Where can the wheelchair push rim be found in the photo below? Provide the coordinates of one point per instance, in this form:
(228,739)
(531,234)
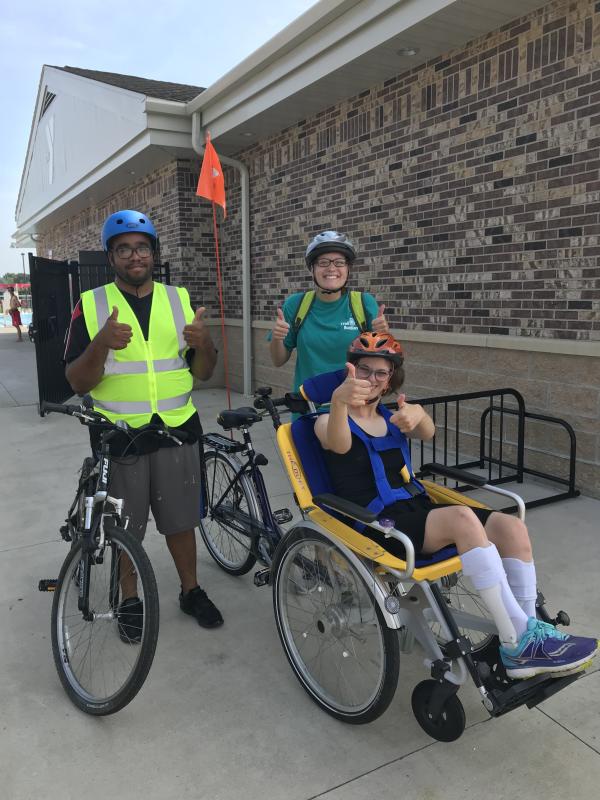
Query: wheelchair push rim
(332,630)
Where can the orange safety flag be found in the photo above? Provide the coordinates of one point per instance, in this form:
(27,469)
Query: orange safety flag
(211,183)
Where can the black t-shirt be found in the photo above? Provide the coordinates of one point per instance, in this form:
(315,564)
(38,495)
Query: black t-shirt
(123,444)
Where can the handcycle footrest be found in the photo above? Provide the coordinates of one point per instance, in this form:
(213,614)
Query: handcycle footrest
(530,692)
(48,584)
(219,442)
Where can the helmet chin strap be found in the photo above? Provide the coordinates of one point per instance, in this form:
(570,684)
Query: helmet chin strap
(328,291)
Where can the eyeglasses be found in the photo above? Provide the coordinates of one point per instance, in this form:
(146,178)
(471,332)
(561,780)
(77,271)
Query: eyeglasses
(364,373)
(125,251)
(323,263)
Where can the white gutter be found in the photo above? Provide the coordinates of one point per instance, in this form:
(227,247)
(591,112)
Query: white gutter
(198,145)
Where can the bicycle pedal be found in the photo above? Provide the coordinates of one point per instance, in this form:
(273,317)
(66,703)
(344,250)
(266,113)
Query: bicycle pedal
(64,532)
(282,516)
(262,577)
(47,584)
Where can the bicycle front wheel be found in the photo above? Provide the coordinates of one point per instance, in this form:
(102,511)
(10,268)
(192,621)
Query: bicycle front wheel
(100,668)
(231,514)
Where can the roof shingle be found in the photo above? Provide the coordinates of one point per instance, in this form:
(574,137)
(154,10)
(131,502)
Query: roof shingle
(163,90)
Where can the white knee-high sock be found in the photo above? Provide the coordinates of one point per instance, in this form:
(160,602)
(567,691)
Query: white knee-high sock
(522,580)
(483,566)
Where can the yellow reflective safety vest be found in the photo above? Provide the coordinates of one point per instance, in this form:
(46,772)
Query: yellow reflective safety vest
(147,377)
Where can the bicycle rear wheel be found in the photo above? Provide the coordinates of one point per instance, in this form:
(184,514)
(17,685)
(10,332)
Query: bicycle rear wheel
(232,510)
(101,673)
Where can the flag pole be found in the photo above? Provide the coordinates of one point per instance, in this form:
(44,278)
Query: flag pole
(211,186)
(222,307)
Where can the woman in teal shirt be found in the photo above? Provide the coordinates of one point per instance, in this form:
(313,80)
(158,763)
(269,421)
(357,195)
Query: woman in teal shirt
(329,326)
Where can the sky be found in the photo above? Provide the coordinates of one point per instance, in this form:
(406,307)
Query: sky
(181,41)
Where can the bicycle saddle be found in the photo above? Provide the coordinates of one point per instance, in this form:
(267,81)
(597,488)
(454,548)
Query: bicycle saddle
(238,417)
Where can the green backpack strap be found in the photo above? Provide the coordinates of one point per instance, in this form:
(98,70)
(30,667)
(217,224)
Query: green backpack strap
(303,309)
(357,306)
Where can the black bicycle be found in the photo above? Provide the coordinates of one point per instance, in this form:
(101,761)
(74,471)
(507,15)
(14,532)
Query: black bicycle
(103,648)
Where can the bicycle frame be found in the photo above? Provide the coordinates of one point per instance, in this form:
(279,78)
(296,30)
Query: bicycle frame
(93,536)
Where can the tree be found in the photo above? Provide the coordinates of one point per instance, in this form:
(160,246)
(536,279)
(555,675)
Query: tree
(14,277)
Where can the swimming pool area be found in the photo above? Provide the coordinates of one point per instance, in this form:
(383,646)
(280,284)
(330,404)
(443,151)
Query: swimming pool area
(5,320)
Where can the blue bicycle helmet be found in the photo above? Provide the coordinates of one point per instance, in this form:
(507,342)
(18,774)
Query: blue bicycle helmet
(329,242)
(127,222)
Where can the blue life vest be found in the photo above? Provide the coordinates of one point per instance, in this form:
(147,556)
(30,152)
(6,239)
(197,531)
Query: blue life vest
(375,445)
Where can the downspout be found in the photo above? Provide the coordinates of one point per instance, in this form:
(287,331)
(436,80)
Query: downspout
(198,145)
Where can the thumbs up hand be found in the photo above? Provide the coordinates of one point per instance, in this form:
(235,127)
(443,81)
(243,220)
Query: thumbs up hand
(408,416)
(380,323)
(353,391)
(114,334)
(196,333)
(281,328)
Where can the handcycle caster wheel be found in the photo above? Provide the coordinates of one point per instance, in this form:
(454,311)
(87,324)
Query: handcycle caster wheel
(450,724)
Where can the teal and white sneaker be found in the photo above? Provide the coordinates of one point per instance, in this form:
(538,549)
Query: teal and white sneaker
(544,649)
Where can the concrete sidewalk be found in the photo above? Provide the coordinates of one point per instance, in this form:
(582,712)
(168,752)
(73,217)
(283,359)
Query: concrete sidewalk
(221,715)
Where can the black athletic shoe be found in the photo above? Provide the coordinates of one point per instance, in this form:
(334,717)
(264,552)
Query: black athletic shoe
(131,620)
(196,603)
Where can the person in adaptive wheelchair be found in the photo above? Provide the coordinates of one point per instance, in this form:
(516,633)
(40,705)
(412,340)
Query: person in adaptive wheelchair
(366,451)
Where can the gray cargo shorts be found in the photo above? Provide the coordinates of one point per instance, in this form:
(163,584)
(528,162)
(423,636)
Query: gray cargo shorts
(167,481)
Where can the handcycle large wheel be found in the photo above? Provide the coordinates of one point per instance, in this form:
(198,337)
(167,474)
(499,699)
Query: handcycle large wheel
(100,672)
(459,593)
(227,526)
(332,630)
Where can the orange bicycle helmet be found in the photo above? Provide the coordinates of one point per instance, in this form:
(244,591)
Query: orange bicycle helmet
(382,345)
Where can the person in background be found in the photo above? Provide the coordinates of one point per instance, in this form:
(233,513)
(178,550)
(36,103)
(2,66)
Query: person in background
(14,309)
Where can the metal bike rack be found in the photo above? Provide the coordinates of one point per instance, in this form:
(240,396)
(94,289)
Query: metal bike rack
(500,446)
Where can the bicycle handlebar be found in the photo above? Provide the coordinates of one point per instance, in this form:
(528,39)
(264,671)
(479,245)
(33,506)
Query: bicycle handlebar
(58,408)
(87,416)
(265,402)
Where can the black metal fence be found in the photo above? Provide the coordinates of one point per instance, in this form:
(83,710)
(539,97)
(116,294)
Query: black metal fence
(487,431)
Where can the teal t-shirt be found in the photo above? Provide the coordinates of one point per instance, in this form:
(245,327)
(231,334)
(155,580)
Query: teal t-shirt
(327,331)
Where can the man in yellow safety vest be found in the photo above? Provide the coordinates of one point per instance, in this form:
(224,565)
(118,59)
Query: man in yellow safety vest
(134,346)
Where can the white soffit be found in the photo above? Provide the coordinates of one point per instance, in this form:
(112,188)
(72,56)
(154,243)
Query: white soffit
(335,50)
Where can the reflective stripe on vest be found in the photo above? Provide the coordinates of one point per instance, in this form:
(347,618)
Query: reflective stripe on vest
(139,367)
(141,407)
(393,439)
(133,388)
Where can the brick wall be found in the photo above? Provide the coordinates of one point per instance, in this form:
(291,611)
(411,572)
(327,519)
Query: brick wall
(470,185)
(183,221)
